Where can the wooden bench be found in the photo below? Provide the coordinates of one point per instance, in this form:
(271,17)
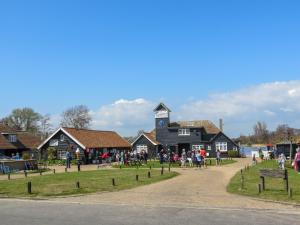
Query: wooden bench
(274,173)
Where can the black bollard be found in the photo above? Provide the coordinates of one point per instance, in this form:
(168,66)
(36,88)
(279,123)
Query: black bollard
(149,174)
(29,187)
(137,177)
(8,176)
(259,188)
(113,182)
(162,170)
(78,167)
(169,167)
(77,185)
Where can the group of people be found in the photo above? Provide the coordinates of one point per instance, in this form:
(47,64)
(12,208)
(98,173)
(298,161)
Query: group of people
(192,158)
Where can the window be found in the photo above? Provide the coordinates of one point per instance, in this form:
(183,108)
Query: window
(208,147)
(140,148)
(12,138)
(62,154)
(62,137)
(197,147)
(53,143)
(184,132)
(221,146)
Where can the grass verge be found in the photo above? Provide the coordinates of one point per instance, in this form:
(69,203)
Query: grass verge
(275,189)
(63,184)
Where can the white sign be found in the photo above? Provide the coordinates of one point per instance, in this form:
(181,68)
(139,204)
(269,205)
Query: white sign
(161,114)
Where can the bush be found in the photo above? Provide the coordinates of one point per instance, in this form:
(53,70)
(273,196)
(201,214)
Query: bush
(52,153)
(233,154)
(25,155)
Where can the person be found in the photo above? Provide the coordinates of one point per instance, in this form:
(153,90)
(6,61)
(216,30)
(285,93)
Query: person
(118,158)
(122,158)
(297,161)
(218,158)
(281,161)
(254,162)
(68,160)
(198,159)
(146,157)
(203,156)
(183,158)
(161,157)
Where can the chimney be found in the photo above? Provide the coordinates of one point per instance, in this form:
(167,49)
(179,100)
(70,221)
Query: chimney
(221,125)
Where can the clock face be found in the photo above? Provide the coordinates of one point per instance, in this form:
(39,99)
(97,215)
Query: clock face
(161,123)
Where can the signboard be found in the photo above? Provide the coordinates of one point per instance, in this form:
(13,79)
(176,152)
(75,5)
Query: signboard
(162,114)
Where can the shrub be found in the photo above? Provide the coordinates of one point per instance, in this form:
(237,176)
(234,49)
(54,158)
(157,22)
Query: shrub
(25,155)
(233,154)
(52,153)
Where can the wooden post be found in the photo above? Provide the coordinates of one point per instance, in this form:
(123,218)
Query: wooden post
(25,173)
(77,185)
(290,193)
(263,184)
(29,187)
(162,171)
(137,177)
(242,182)
(241,171)
(210,162)
(8,176)
(259,188)
(149,174)
(66,169)
(54,171)
(286,178)
(169,167)
(113,182)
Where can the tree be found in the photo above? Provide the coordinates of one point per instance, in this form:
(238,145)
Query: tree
(261,133)
(25,119)
(77,117)
(45,127)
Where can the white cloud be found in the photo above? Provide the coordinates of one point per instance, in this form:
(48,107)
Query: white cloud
(276,102)
(125,116)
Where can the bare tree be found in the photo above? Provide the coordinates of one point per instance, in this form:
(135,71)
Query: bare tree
(77,117)
(261,133)
(45,126)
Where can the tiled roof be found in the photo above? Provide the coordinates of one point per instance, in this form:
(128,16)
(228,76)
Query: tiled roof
(98,139)
(152,137)
(24,139)
(206,124)
(5,144)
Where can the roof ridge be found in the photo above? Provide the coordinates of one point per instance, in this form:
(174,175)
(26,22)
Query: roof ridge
(83,129)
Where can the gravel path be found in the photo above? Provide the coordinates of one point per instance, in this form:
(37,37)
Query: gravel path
(200,188)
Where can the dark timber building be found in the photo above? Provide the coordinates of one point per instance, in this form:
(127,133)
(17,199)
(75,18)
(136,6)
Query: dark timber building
(188,135)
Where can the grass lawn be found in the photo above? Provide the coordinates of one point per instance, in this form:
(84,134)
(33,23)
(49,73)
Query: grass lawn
(62,184)
(275,189)
(156,164)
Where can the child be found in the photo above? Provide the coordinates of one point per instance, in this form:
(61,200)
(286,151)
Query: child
(281,161)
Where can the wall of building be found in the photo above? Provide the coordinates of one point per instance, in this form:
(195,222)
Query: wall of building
(152,149)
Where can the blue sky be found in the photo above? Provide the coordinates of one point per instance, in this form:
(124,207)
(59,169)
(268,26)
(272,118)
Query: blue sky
(56,54)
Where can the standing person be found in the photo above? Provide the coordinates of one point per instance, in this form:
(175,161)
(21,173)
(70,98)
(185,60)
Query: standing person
(281,161)
(68,159)
(161,157)
(297,161)
(183,158)
(198,159)
(146,157)
(122,158)
(218,158)
(118,158)
(203,157)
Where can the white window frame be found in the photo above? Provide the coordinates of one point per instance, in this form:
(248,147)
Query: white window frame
(62,137)
(12,138)
(184,132)
(197,147)
(140,148)
(61,154)
(221,146)
(53,143)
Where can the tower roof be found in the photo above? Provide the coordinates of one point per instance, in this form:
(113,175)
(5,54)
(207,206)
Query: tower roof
(161,106)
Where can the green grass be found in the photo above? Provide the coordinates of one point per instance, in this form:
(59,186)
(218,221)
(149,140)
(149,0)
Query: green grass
(275,189)
(156,164)
(63,184)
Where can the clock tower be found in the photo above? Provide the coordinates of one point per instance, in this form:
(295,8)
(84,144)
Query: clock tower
(162,121)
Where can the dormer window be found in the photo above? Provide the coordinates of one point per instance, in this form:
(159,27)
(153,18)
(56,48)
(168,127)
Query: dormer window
(12,138)
(184,132)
